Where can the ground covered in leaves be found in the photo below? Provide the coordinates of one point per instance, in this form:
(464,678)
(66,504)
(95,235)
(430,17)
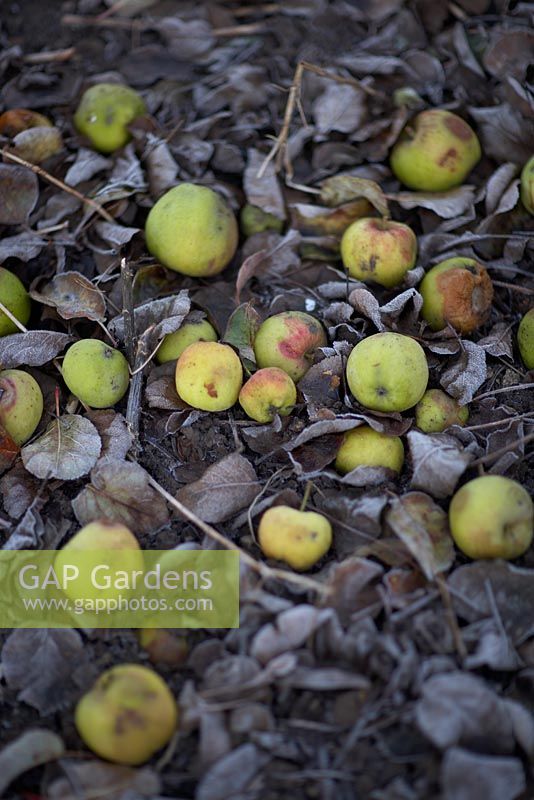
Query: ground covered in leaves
(395,669)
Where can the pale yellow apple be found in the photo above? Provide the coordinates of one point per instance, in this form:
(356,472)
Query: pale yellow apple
(268,392)
(436,411)
(365,447)
(378,250)
(300,538)
(525,339)
(209,376)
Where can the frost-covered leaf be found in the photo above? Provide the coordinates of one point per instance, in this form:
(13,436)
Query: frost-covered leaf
(23,246)
(86,778)
(37,144)
(446,205)
(263,192)
(31,349)
(68,449)
(224,489)
(114,432)
(339,108)
(73,296)
(291,629)
(32,748)
(466,775)
(463,378)
(232,775)
(120,491)
(115,235)
(87,164)
(39,664)
(498,342)
(155,319)
(423,527)
(438,462)
(161,167)
(19,192)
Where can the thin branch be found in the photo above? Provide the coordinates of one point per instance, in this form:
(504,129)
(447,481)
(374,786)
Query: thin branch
(50,56)
(493,456)
(42,173)
(516,388)
(266,572)
(450,614)
(135,357)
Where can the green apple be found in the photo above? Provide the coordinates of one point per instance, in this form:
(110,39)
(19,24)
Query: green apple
(300,538)
(268,392)
(253,219)
(16,299)
(104,113)
(525,339)
(209,376)
(174,344)
(378,250)
(436,151)
(288,341)
(128,715)
(387,372)
(365,447)
(456,292)
(192,230)
(96,373)
(492,517)
(21,404)
(527,185)
(436,411)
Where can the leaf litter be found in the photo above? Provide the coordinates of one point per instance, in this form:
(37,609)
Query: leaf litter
(395,668)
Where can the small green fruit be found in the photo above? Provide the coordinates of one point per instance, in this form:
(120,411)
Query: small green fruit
(21,404)
(492,517)
(192,230)
(16,299)
(288,341)
(104,113)
(128,715)
(300,538)
(365,447)
(527,185)
(435,152)
(378,250)
(525,339)
(268,392)
(96,373)
(387,372)
(254,220)
(174,344)
(436,411)
(456,292)
(209,376)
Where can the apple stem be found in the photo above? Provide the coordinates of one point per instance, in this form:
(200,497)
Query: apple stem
(307,492)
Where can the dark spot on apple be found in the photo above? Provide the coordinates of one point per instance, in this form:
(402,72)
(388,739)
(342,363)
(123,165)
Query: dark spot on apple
(313,535)
(459,128)
(128,718)
(107,352)
(450,155)
(211,390)
(381,391)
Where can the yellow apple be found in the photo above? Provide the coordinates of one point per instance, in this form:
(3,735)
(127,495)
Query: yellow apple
(378,250)
(300,538)
(365,447)
(209,376)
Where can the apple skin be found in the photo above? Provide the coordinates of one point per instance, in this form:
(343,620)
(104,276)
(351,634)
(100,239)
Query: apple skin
(527,185)
(17,120)
(105,111)
(128,715)
(95,373)
(365,447)
(288,341)
(525,339)
(456,292)
(21,404)
(436,411)
(16,299)
(300,538)
(378,250)
(209,376)
(98,536)
(435,152)
(174,344)
(492,517)
(253,219)
(268,392)
(387,372)
(192,230)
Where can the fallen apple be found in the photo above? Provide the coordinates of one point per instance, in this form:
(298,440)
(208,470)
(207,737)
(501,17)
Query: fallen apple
(209,376)
(456,292)
(288,341)
(378,250)
(21,404)
(365,447)
(95,373)
(300,538)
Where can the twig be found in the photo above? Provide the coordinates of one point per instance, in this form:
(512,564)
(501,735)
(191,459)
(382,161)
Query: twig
(513,287)
(135,358)
(266,572)
(50,56)
(516,388)
(452,619)
(262,8)
(489,457)
(42,173)
(13,318)
(79,21)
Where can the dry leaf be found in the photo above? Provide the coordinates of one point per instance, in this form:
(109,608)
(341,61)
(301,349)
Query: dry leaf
(31,349)
(32,748)
(19,192)
(73,296)
(68,449)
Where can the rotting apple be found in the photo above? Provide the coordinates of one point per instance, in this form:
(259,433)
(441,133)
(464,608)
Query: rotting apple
(288,341)
(300,538)
(435,152)
(456,292)
(492,517)
(378,250)
(209,376)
